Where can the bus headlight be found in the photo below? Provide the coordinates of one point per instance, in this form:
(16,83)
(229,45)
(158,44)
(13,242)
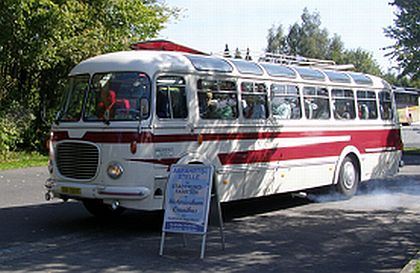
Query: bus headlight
(114,170)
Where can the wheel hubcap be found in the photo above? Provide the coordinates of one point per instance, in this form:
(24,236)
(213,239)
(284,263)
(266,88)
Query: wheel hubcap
(349,175)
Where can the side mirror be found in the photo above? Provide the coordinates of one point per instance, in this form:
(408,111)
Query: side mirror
(144,108)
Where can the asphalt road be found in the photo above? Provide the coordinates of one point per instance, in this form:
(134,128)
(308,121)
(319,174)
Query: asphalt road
(376,231)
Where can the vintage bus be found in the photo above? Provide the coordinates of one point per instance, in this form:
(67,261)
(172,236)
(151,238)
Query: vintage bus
(267,128)
(407,101)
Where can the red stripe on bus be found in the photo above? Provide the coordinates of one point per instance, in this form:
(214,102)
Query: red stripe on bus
(384,140)
(387,140)
(378,136)
(283,154)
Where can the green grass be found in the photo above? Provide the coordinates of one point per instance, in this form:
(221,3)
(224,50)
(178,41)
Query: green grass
(412,150)
(16,160)
(417,268)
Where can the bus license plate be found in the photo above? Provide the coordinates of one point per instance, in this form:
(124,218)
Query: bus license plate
(71,190)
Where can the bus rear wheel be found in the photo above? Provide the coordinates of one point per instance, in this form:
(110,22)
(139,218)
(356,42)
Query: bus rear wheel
(99,209)
(348,178)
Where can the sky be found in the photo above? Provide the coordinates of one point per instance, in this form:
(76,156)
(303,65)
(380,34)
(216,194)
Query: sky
(208,25)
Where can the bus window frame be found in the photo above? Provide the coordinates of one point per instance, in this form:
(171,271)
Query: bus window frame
(392,105)
(274,94)
(328,89)
(155,100)
(335,98)
(255,83)
(140,119)
(376,100)
(217,78)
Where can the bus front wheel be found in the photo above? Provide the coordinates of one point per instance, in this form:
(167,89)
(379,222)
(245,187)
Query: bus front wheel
(99,209)
(348,178)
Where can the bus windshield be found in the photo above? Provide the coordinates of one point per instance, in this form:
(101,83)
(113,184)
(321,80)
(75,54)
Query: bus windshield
(71,109)
(116,96)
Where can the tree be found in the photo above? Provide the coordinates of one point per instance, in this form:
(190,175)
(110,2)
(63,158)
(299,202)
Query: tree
(403,81)
(293,40)
(406,32)
(362,61)
(41,40)
(276,41)
(308,39)
(335,49)
(313,41)
(305,39)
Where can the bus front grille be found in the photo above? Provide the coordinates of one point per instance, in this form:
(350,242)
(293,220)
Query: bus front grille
(77,160)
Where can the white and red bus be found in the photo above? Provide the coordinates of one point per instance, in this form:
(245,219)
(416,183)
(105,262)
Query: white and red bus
(266,128)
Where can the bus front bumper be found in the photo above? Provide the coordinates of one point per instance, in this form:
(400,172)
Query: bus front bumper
(68,190)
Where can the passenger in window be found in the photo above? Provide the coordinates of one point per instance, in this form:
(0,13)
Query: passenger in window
(163,104)
(107,100)
(224,107)
(363,111)
(283,110)
(386,112)
(122,105)
(211,106)
(296,111)
(324,110)
(310,108)
(342,110)
(261,88)
(254,107)
(259,111)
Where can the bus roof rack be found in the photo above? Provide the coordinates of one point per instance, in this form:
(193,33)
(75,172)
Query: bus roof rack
(303,61)
(285,59)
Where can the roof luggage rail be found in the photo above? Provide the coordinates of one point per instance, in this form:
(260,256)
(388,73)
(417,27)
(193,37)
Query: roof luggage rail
(294,60)
(303,61)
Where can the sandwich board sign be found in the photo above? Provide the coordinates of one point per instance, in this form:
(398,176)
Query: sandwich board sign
(187,202)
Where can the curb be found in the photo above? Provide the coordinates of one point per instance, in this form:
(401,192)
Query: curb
(409,268)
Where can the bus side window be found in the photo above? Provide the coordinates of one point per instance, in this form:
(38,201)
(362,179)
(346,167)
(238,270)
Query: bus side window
(254,100)
(385,105)
(317,104)
(366,104)
(217,99)
(171,101)
(343,104)
(285,101)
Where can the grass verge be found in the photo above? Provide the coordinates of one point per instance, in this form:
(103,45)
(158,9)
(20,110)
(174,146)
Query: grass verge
(412,150)
(16,160)
(417,268)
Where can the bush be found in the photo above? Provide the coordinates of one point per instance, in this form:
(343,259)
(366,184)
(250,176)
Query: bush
(9,136)
(13,125)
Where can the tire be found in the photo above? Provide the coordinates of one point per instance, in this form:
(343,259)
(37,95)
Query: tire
(98,209)
(348,178)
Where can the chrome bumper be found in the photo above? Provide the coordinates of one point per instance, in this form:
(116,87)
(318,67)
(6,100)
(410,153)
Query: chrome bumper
(79,191)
